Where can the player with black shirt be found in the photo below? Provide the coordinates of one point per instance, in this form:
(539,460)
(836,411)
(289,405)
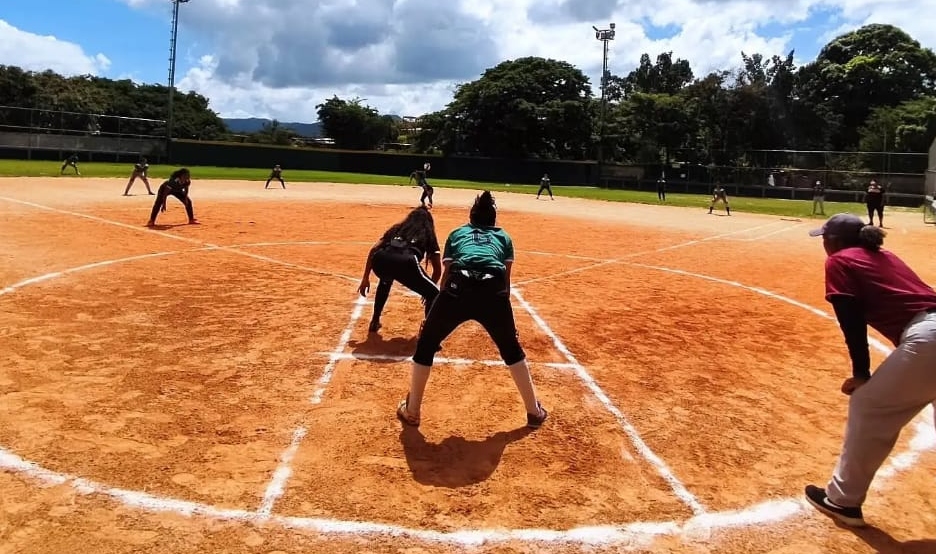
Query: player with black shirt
(874,200)
(71,161)
(139,172)
(276,173)
(397,256)
(419,176)
(178,186)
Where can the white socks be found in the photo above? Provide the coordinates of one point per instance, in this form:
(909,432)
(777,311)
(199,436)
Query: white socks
(418,380)
(520,372)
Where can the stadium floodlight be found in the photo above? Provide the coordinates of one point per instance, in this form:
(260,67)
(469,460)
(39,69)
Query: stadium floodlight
(605,36)
(172,63)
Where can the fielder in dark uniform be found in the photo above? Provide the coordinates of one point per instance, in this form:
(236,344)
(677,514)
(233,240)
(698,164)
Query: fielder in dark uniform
(661,189)
(818,197)
(178,186)
(478,258)
(874,200)
(276,173)
(71,161)
(139,172)
(719,195)
(397,256)
(545,186)
(420,177)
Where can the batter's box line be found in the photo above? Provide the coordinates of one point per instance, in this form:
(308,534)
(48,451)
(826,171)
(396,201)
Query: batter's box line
(642,448)
(343,356)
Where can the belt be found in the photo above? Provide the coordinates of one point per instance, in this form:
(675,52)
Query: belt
(477,275)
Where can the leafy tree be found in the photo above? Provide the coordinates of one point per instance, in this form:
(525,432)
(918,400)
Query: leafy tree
(87,97)
(871,67)
(659,123)
(355,126)
(529,107)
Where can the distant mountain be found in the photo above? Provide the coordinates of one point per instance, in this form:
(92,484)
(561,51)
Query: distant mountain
(254,124)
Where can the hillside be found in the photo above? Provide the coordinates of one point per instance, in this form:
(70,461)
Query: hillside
(254,124)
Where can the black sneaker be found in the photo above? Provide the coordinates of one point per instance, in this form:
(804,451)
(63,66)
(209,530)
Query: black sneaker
(534,421)
(820,500)
(374,326)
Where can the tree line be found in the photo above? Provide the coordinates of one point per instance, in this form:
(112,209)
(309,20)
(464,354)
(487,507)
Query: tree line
(872,89)
(59,103)
(869,90)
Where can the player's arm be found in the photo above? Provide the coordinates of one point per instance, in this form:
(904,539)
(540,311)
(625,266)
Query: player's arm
(851,320)
(368,266)
(436,260)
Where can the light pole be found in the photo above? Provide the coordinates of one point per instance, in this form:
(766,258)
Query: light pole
(605,36)
(172,62)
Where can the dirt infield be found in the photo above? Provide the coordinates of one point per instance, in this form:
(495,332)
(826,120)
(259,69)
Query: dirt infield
(213,388)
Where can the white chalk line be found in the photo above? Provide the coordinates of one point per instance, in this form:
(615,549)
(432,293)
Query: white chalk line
(925,434)
(643,449)
(277,485)
(637,254)
(230,249)
(341,356)
(763,236)
(638,532)
(633,533)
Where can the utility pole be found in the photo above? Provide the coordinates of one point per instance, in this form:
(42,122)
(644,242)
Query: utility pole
(172,63)
(605,36)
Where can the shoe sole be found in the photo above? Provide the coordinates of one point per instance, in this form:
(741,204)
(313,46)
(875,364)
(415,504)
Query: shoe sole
(850,521)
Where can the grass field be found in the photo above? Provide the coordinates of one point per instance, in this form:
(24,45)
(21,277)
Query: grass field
(788,208)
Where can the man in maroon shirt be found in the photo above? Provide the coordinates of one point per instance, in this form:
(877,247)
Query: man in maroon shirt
(870,286)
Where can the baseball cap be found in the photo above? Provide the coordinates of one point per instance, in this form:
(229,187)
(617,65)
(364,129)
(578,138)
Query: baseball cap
(840,225)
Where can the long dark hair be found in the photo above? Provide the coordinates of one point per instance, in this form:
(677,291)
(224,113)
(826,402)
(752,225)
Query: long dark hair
(417,227)
(484,211)
(182,171)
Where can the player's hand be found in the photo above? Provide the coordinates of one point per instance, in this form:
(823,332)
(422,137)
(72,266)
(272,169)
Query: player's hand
(364,287)
(852,384)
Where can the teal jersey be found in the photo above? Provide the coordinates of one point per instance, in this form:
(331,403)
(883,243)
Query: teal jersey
(478,248)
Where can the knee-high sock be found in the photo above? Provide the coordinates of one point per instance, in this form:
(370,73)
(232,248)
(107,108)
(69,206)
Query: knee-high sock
(418,380)
(520,372)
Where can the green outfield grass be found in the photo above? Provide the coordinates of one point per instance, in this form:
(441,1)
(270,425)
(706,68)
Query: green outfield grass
(788,208)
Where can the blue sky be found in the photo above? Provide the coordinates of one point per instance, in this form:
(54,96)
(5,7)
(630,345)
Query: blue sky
(278,58)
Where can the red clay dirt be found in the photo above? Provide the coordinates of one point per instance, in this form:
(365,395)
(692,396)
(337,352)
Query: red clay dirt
(182,363)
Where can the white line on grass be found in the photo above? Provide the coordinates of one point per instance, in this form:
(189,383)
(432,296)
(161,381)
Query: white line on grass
(642,448)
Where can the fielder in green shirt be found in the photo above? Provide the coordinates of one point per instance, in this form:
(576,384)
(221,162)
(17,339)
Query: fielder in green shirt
(477,260)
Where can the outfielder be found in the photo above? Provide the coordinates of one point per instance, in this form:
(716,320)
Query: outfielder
(867,285)
(478,258)
(71,161)
(719,195)
(139,171)
(874,200)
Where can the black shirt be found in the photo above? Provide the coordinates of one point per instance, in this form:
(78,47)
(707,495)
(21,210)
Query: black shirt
(392,240)
(177,186)
(875,195)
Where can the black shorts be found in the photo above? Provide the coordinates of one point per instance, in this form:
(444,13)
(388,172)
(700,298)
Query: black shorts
(471,296)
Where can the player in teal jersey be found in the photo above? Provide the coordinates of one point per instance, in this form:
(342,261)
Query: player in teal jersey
(477,261)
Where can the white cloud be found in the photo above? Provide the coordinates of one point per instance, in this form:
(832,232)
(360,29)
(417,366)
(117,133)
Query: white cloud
(279,58)
(39,53)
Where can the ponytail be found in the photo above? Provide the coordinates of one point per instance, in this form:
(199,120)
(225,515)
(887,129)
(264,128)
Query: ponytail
(484,211)
(871,237)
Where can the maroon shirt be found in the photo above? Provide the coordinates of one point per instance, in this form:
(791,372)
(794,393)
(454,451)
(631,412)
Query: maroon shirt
(889,291)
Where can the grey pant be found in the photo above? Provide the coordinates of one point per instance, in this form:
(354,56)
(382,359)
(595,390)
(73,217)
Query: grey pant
(818,202)
(901,387)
